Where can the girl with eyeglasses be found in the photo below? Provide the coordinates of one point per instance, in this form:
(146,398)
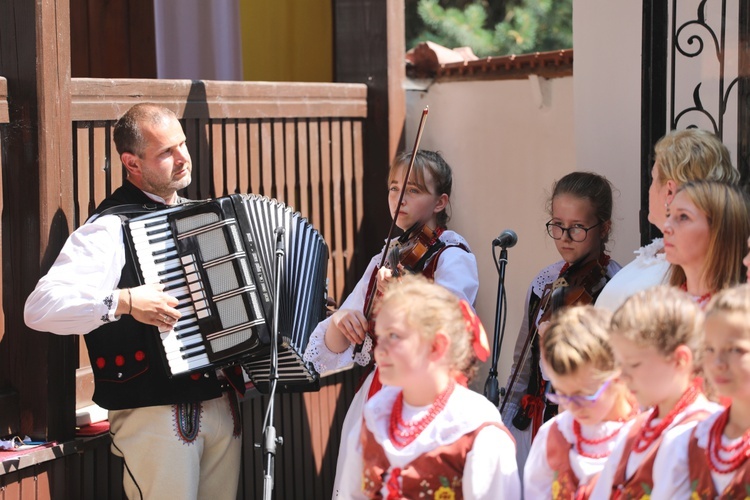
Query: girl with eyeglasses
(580,210)
(571,449)
(655,337)
(712,460)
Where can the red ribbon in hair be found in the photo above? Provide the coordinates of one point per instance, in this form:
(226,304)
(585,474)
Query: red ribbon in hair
(474,326)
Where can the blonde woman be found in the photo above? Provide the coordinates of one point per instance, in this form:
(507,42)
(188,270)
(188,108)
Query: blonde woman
(705,238)
(681,156)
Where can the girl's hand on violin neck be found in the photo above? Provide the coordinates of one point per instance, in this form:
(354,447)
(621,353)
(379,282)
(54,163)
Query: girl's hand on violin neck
(348,326)
(385,276)
(542,329)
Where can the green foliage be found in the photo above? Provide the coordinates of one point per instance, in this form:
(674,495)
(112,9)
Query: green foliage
(526,26)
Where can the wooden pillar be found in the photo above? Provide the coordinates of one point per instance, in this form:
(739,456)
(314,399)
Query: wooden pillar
(369,47)
(38,198)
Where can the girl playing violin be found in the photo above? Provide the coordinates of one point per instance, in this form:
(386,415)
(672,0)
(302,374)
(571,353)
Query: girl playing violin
(654,336)
(712,460)
(580,223)
(452,265)
(571,449)
(424,435)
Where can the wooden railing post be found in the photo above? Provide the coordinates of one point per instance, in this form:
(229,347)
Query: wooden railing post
(38,186)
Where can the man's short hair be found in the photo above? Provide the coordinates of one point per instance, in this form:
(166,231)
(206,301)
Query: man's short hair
(127,132)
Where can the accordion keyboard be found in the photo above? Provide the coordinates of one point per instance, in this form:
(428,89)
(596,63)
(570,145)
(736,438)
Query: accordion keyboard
(218,259)
(159,261)
(198,255)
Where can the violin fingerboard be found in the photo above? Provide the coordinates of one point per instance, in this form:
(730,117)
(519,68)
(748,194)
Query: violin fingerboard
(393,260)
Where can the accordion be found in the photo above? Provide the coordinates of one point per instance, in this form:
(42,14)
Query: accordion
(218,259)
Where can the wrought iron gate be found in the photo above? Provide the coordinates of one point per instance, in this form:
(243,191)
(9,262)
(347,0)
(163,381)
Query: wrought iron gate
(695,73)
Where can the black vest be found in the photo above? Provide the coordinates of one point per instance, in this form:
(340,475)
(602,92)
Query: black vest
(126,355)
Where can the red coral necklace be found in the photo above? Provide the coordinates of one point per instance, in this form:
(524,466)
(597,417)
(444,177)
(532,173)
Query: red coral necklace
(738,452)
(648,433)
(702,300)
(581,440)
(404,433)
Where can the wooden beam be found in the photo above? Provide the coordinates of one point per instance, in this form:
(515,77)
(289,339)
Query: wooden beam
(35,59)
(105,99)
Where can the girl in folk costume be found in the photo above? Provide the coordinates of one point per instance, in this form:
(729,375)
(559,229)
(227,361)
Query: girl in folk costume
(681,156)
(654,336)
(704,238)
(581,210)
(712,460)
(571,449)
(424,435)
(448,262)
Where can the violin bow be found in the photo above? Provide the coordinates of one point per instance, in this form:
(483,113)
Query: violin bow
(549,298)
(414,151)
(417,139)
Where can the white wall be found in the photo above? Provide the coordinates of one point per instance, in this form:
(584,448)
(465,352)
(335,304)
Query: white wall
(507,141)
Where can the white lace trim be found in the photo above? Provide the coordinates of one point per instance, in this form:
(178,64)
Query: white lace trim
(323,359)
(546,276)
(652,252)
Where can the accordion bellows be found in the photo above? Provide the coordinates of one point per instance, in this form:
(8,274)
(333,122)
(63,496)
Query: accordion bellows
(219,259)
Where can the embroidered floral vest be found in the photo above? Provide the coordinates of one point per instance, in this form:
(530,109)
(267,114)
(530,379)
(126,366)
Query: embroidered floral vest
(437,474)
(565,485)
(641,482)
(702,484)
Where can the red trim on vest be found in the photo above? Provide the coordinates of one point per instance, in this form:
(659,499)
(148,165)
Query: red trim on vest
(558,458)
(702,483)
(429,270)
(642,478)
(429,471)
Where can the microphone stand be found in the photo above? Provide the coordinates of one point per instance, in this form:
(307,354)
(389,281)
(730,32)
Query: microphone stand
(491,391)
(269,431)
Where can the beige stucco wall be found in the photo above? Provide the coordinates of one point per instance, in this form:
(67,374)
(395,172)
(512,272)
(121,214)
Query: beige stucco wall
(607,95)
(507,142)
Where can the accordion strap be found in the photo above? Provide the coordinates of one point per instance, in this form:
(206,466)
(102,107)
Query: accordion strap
(133,209)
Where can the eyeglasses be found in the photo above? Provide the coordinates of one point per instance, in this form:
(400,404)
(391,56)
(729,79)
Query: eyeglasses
(575,233)
(562,399)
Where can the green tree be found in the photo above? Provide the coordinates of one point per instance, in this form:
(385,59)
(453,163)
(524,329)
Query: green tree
(492,28)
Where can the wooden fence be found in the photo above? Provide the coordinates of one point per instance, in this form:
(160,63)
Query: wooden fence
(300,143)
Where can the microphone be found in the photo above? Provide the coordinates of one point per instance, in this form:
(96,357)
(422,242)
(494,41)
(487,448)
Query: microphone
(507,239)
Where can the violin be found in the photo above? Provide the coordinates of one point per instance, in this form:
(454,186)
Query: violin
(579,285)
(413,249)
